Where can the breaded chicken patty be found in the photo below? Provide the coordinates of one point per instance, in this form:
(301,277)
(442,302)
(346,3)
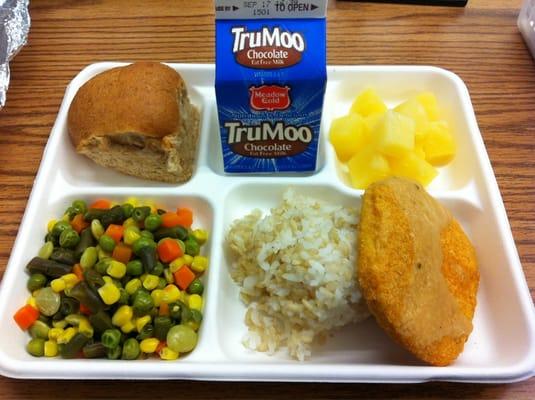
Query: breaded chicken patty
(417,270)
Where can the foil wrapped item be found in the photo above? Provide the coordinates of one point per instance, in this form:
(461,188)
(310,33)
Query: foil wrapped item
(15,20)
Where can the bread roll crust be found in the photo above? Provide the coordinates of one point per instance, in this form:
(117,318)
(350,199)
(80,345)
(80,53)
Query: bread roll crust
(140,113)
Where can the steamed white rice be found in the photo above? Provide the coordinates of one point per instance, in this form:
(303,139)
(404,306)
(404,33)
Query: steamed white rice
(296,271)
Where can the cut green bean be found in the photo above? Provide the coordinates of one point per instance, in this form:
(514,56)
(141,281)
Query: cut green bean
(74,346)
(111,338)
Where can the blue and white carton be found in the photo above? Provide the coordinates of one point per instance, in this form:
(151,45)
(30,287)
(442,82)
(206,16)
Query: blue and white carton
(270,83)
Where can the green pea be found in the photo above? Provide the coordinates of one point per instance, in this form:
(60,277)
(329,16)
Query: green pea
(111,338)
(158,269)
(46,251)
(79,206)
(127,209)
(192,247)
(114,353)
(162,283)
(196,315)
(153,222)
(59,227)
(134,268)
(39,330)
(147,234)
(195,287)
(130,349)
(141,243)
(140,213)
(36,281)
(36,347)
(89,257)
(102,266)
(143,303)
(124,296)
(106,243)
(69,238)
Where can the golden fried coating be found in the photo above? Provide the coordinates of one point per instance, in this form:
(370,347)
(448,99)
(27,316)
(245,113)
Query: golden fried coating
(417,270)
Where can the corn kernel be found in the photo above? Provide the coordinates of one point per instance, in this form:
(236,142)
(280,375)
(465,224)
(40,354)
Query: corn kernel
(157,296)
(58,285)
(31,301)
(168,275)
(122,315)
(167,354)
(50,225)
(195,302)
(131,234)
(70,280)
(200,236)
(170,294)
(199,264)
(53,333)
(109,293)
(102,254)
(133,201)
(60,324)
(187,259)
(85,328)
(132,285)
(128,327)
(176,264)
(151,282)
(149,345)
(67,335)
(184,297)
(51,348)
(116,269)
(141,322)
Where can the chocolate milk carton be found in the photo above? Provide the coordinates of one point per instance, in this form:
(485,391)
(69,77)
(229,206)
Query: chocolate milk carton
(270,82)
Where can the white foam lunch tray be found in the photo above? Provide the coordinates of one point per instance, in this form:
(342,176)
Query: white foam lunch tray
(501,347)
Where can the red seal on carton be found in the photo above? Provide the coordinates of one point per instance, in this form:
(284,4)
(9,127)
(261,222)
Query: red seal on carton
(269,97)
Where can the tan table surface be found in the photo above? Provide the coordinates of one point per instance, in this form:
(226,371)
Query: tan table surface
(480,43)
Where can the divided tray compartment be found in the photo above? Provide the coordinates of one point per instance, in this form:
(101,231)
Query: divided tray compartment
(501,347)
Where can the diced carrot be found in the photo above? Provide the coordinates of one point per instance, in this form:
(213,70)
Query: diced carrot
(164,309)
(160,346)
(168,250)
(78,223)
(122,253)
(26,316)
(170,220)
(78,271)
(101,203)
(115,232)
(186,216)
(84,309)
(183,277)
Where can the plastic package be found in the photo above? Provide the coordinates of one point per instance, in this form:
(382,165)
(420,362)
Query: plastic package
(526,24)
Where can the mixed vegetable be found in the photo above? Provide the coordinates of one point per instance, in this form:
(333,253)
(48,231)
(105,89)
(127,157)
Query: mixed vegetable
(119,281)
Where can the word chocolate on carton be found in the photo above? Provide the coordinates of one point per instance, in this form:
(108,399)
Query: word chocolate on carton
(270,83)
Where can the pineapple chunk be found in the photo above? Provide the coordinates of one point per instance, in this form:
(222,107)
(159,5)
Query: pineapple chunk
(368,102)
(371,122)
(413,167)
(438,144)
(348,136)
(394,134)
(429,102)
(414,110)
(366,167)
